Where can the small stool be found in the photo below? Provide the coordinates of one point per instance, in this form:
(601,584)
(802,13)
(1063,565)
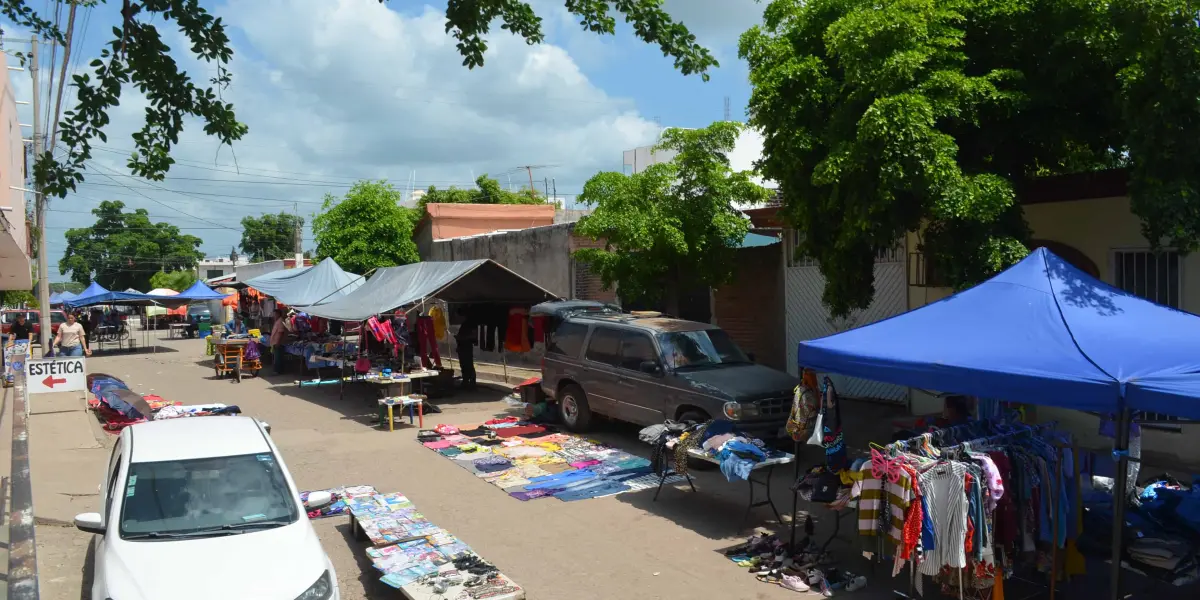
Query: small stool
(208,347)
(416,405)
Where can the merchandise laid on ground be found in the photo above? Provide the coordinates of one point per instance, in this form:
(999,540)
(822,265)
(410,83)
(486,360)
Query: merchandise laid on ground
(528,460)
(118,407)
(417,557)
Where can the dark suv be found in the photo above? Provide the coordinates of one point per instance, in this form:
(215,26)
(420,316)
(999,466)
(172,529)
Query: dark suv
(645,369)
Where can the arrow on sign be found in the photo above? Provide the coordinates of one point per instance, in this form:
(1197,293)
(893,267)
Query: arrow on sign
(50,381)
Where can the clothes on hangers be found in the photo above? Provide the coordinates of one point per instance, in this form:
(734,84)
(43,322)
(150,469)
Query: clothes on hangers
(427,344)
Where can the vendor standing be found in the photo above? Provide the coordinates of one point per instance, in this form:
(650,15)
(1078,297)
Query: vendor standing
(21,330)
(277,332)
(71,340)
(464,341)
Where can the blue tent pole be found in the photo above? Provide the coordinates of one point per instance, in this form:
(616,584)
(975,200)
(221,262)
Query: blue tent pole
(1119,498)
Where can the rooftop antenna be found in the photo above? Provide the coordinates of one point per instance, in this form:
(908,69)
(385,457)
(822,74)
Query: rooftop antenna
(726,108)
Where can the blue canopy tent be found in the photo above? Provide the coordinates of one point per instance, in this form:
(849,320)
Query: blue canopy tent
(198,292)
(1041,332)
(325,282)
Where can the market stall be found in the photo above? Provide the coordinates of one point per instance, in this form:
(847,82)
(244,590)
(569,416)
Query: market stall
(405,311)
(1041,332)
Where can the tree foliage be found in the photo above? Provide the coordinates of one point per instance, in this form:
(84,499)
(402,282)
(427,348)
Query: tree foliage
(174,280)
(673,225)
(882,117)
(270,237)
(366,229)
(137,56)
(486,191)
(123,249)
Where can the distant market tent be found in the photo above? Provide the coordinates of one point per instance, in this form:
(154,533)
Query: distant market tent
(323,283)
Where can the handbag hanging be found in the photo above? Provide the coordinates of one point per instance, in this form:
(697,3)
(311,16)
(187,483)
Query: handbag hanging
(832,438)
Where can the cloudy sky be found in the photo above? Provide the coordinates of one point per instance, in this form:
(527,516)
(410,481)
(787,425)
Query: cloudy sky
(334,91)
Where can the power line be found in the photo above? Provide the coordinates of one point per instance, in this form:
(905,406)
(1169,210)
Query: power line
(91,164)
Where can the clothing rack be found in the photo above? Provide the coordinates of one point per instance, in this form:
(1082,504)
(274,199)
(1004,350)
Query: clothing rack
(1023,430)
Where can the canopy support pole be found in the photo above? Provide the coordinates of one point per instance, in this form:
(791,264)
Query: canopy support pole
(1119,498)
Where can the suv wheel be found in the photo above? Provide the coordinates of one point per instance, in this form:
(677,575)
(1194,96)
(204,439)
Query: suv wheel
(573,408)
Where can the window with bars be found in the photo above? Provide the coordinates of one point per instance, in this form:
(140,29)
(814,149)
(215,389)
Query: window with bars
(1155,276)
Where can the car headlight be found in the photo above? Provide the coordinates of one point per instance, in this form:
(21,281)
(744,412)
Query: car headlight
(736,410)
(321,590)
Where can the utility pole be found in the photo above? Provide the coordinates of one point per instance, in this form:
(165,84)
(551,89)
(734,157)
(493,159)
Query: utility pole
(554,186)
(546,185)
(299,255)
(530,171)
(39,201)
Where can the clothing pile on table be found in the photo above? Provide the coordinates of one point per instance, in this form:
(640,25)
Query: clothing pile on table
(530,461)
(409,550)
(118,407)
(769,560)
(737,453)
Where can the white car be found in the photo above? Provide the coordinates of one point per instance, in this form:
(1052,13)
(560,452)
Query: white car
(204,508)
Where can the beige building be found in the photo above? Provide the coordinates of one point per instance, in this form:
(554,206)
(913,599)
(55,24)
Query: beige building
(14,229)
(1087,221)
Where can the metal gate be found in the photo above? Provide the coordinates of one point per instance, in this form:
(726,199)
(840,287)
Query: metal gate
(807,317)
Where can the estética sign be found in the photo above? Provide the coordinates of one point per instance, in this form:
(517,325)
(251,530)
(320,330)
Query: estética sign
(48,375)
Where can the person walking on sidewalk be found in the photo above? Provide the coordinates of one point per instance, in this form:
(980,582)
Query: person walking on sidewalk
(71,340)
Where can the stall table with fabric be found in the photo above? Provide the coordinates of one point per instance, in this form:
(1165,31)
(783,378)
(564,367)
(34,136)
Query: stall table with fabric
(739,456)
(1053,336)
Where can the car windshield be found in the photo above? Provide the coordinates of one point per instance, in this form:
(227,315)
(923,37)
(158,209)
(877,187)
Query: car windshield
(699,349)
(57,317)
(209,496)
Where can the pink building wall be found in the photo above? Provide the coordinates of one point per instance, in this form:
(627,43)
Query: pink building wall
(14,239)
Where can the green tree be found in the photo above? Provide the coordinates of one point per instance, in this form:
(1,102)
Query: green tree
(885,117)
(674,225)
(486,191)
(123,249)
(137,55)
(10,298)
(174,280)
(366,229)
(270,237)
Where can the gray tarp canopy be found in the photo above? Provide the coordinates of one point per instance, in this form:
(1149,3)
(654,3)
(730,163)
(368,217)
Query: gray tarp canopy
(322,283)
(457,281)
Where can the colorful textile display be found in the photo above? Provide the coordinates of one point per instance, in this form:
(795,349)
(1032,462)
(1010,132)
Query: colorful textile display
(530,461)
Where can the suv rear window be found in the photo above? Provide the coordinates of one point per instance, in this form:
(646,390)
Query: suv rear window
(567,339)
(605,346)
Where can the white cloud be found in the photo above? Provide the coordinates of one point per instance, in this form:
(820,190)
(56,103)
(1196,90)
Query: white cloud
(335,90)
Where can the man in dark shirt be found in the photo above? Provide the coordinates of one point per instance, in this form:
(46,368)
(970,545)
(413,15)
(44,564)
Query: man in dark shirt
(464,342)
(21,330)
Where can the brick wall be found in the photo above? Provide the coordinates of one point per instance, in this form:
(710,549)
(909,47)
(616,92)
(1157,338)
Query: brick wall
(751,308)
(587,284)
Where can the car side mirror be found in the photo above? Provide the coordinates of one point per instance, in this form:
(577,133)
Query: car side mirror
(90,522)
(651,367)
(318,500)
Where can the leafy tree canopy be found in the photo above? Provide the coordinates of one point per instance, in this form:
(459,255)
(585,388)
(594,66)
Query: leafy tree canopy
(174,280)
(887,116)
(270,237)
(674,223)
(136,55)
(366,229)
(123,249)
(486,191)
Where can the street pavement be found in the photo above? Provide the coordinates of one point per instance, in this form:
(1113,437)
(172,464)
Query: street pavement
(626,546)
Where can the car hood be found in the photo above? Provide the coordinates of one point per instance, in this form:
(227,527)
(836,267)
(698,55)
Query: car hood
(742,382)
(275,564)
